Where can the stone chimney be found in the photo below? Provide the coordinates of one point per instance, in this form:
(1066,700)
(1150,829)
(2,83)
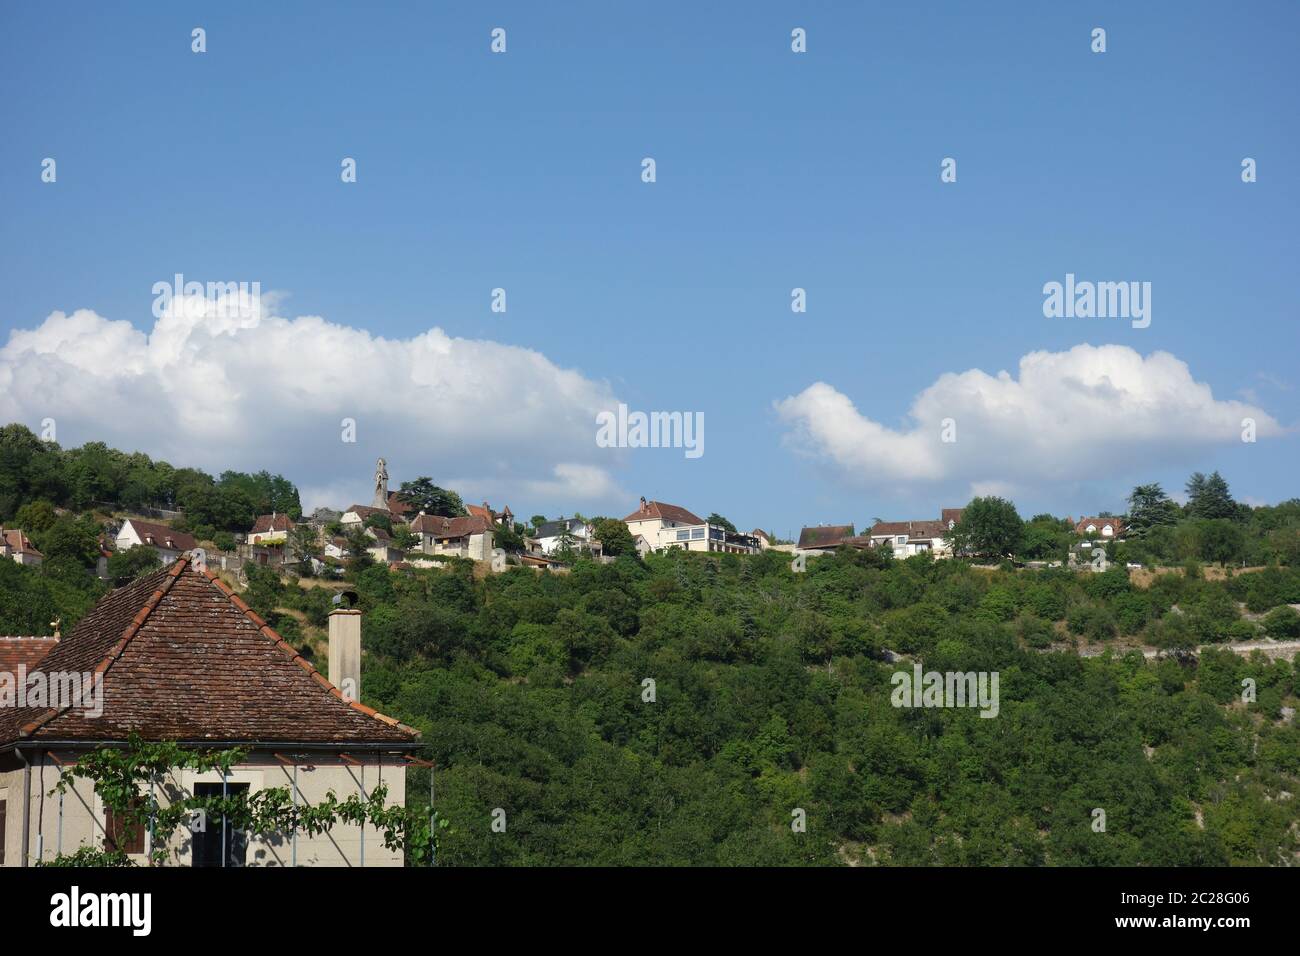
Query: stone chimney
(345,651)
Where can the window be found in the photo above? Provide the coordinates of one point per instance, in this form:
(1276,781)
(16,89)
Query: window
(683,535)
(219,843)
(123,831)
(4,806)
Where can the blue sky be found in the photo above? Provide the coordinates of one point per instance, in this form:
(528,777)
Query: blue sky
(775,170)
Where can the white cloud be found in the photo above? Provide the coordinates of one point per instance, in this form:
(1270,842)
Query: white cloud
(262,391)
(1067,415)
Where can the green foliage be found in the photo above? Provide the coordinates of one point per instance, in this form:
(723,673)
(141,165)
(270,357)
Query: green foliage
(1282,623)
(989,528)
(718,521)
(1209,498)
(614,537)
(423,495)
(125,566)
(771,691)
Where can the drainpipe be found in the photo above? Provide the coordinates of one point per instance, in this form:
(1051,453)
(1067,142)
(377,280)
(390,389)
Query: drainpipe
(27,807)
(293,859)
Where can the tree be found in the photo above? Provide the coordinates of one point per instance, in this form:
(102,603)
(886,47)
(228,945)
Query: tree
(614,537)
(380,519)
(125,566)
(304,542)
(76,539)
(509,539)
(423,495)
(989,528)
(1208,497)
(1149,507)
(223,509)
(1046,537)
(718,521)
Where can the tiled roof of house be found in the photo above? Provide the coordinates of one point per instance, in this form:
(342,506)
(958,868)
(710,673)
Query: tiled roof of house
(182,657)
(951,514)
(397,506)
(23,651)
(913,529)
(271,522)
(18,542)
(487,511)
(161,536)
(1117,524)
(650,510)
(441,527)
(824,536)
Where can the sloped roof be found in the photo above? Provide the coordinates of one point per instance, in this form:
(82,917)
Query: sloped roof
(23,651)
(650,510)
(441,527)
(271,522)
(913,529)
(825,536)
(161,536)
(182,657)
(1081,526)
(18,542)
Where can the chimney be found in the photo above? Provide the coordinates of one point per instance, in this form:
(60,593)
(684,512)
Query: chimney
(345,651)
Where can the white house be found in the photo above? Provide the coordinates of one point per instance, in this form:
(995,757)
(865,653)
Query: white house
(270,529)
(169,544)
(551,536)
(663,525)
(908,538)
(467,537)
(16,546)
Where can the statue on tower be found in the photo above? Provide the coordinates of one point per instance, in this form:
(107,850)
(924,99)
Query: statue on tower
(381,485)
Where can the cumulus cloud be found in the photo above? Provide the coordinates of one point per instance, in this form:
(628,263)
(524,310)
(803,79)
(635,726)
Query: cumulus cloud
(1064,416)
(219,387)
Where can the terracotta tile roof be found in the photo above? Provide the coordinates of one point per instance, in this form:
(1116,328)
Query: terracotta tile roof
(184,658)
(18,542)
(271,522)
(913,529)
(441,527)
(650,510)
(161,536)
(1081,526)
(824,536)
(487,511)
(396,505)
(24,651)
(951,514)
